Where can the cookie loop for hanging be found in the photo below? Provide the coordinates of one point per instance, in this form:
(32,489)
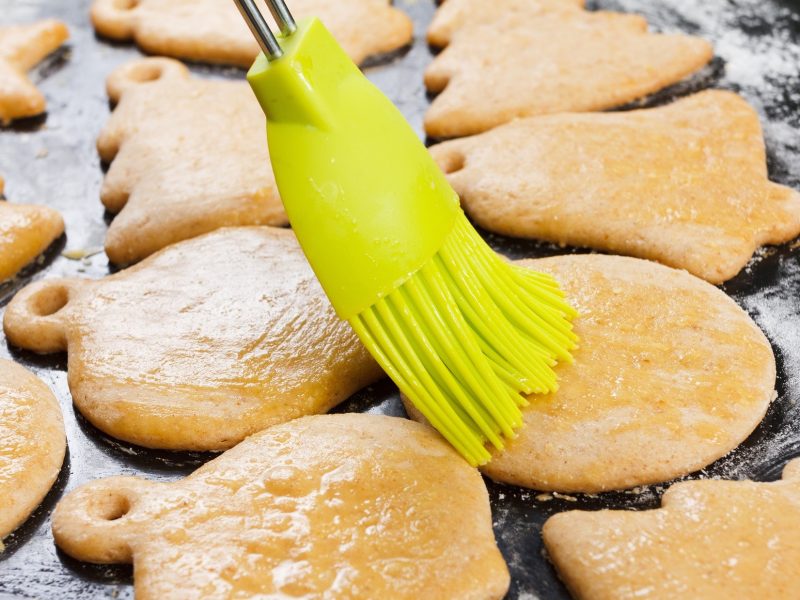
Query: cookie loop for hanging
(33,319)
(97,522)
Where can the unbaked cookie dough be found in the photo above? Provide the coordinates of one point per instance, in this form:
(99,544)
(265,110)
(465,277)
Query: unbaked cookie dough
(333,506)
(21,48)
(26,230)
(187,156)
(200,345)
(32,444)
(685,184)
(539,57)
(214,31)
(710,540)
(670,375)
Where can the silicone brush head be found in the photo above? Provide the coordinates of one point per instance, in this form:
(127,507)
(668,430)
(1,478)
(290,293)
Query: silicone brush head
(464,334)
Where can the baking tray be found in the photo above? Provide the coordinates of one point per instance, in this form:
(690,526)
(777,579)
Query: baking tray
(53,160)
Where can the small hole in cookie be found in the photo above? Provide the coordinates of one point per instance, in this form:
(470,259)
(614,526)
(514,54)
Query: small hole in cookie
(113,507)
(146,72)
(455,162)
(50,301)
(125,4)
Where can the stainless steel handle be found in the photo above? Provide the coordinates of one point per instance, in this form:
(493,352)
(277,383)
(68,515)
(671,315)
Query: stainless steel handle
(258,25)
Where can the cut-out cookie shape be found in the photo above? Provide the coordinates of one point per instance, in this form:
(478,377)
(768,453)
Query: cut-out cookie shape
(22,47)
(333,506)
(670,375)
(685,184)
(710,539)
(454,14)
(32,444)
(199,346)
(547,60)
(26,230)
(213,30)
(189,156)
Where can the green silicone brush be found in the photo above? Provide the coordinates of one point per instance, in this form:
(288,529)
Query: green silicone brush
(464,334)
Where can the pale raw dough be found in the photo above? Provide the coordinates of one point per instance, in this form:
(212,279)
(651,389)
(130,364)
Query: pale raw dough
(32,444)
(670,375)
(334,506)
(199,346)
(538,57)
(21,48)
(189,155)
(684,184)
(711,540)
(214,31)
(26,230)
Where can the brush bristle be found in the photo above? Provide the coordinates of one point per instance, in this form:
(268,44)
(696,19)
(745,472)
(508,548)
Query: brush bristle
(467,337)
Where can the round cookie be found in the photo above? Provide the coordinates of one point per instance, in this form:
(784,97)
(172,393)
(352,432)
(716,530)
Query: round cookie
(670,375)
(32,444)
(332,506)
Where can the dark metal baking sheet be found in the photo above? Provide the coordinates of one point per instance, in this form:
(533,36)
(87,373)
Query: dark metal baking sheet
(53,160)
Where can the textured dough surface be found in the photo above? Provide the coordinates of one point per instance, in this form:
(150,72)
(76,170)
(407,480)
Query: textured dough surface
(189,156)
(200,345)
(684,184)
(333,506)
(551,57)
(32,444)
(711,540)
(21,48)
(26,230)
(670,375)
(214,31)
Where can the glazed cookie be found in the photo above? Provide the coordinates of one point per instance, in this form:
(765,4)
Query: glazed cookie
(26,230)
(684,184)
(670,375)
(32,444)
(334,506)
(710,539)
(213,31)
(549,59)
(22,47)
(189,155)
(199,346)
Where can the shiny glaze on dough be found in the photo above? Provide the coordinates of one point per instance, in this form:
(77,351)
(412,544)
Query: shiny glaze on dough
(26,230)
(670,375)
(711,540)
(550,58)
(333,506)
(189,156)
(684,184)
(21,48)
(32,444)
(200,345)
(214,31)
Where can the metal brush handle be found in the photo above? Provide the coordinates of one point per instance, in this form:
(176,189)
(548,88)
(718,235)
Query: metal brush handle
(258,25)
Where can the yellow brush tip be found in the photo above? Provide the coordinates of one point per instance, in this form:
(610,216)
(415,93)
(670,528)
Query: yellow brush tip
(466,337)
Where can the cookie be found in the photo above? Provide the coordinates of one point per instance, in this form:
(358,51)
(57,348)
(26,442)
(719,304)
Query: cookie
(26,230)
(454,14)
(21,48)
(710,539)
(334,506)
(187,156)
(213,31)
(200,345)
(547,60)
(32,444)
(684,184)
(670,375)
